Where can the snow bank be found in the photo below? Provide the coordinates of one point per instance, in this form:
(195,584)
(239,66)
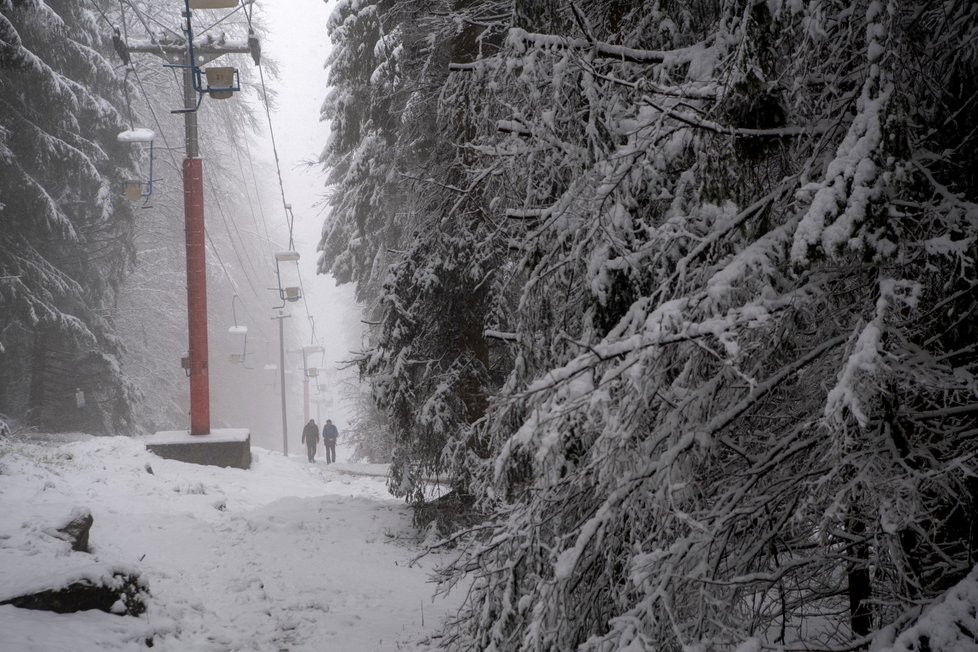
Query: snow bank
(287,555)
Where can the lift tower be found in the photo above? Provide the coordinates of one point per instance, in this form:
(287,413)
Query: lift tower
(184,52)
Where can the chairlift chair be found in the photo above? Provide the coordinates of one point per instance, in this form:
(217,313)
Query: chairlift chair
(289,291)
(310,372)
(136,189)
(222,81)
(239,332)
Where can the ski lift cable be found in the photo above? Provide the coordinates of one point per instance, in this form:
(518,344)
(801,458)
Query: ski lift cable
(156,119)
(302,289)
(234,247)
(226,220)
(250,259)
(125,91)
(237,254)
(217,254)
(254,180)
(227,275)
(265,243)
(225,17)
(289,218)
(139,16)
(278,166)
(125,81)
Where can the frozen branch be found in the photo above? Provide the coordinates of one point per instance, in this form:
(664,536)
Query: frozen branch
(608,51)
(500,335)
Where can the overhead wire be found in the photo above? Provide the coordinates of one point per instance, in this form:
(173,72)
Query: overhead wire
(203,31)
(237,254)
(289,218)
(132,68)
(156,119)
(289,215)
(267,241)
(254,179)
(210,241)
(139,16)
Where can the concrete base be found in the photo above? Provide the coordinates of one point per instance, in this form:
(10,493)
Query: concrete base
(222,447)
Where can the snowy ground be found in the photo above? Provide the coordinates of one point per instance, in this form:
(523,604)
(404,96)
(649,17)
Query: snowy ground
(285,556)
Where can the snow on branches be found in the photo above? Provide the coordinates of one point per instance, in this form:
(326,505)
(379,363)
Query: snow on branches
(727,244)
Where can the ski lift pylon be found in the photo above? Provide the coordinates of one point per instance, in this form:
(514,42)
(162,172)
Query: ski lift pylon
(222,81)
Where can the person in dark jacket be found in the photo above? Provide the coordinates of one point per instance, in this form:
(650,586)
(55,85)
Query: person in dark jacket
(310,435)
(330,433)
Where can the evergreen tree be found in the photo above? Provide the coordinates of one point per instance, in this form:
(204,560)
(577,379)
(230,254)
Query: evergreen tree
(65,232)
(724,256)
(402,229)
(741,394)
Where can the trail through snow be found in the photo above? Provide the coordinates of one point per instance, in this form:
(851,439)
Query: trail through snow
(285,556)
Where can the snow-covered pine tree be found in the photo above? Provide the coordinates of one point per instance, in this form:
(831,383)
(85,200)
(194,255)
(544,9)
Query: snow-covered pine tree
(409,236)
(744,396)
(65,232)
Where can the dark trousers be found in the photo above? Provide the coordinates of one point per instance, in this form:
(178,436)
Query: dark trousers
(330,451)
(311,450)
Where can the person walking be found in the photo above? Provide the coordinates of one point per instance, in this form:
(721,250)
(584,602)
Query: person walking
(330,433)
(310,435)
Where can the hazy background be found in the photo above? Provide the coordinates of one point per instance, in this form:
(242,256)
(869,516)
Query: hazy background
(296,40)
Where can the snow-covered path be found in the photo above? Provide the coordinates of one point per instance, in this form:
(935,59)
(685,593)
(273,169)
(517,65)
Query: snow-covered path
(285,556)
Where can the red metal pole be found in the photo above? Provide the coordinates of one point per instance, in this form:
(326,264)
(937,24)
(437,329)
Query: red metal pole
(193,196)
